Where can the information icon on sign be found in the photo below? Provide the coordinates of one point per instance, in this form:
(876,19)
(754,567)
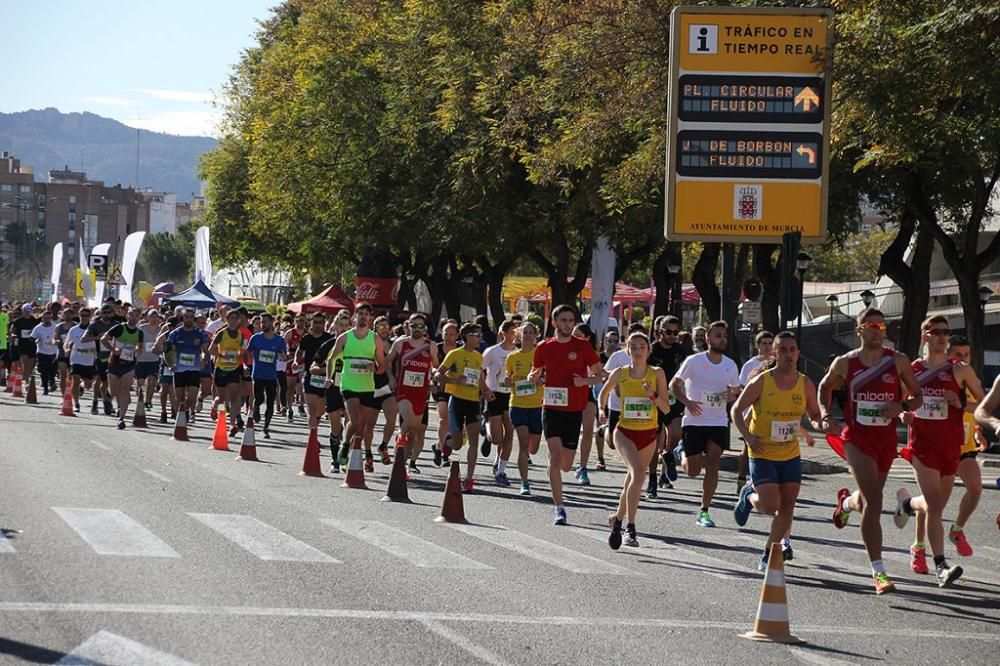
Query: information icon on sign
(703,39)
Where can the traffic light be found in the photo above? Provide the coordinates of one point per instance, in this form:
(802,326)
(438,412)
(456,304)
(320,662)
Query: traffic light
(791,287)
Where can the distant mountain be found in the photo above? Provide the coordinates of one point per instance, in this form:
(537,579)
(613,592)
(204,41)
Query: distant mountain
(104,148)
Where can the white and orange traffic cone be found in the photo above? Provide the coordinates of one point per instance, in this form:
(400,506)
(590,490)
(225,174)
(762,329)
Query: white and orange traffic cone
(771,625)
(180,427)
(248,445)
(310,463)
(139,417)
(355,477)
(18,391)
(67,405)
(452,506)
(31,395)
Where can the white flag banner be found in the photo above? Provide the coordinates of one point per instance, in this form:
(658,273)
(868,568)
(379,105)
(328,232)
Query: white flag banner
(57,257)
(102,249)
(130,255)
(85,284)
(202,257)
(602,286)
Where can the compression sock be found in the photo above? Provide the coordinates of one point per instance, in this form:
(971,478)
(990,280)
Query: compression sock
(877,567)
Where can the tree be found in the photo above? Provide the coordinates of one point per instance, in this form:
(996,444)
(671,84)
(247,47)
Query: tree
(167,257)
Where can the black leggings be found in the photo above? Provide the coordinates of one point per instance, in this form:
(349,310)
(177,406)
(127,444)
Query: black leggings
(264,392)
(283,388)
(47,370)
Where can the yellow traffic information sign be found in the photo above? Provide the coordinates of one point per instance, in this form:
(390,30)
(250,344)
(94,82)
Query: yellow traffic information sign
(748,146)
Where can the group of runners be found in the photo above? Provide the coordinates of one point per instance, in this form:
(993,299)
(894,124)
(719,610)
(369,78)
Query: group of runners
(653,399)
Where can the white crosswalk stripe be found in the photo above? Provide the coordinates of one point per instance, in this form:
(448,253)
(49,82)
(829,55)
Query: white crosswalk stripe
(550,553)
(112,532)
(260,539)
(407,547)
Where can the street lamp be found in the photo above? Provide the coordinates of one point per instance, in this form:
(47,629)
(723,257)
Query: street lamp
(802,262)
(832,301)
(867,297)
(674,269)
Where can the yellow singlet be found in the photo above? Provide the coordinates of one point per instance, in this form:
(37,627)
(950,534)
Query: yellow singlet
(775,418)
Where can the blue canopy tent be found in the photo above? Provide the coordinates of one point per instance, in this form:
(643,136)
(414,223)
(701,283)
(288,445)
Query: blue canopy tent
(201,297)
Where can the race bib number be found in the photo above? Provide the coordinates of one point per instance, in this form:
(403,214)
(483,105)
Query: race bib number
(83,352)
(148,347)
(187,360)
(967,429)
(266,356)
(870,413)
(525,388)
(168,371)
(359,366)
(784,431)
(317,381)
(471,376)
(126,354)
(25,335)
(713,400)
(671,399)
(934,408)
(414,379)
(280,365)
(637,409)
(229,356)
(503,386)
(555,397)
(382,392)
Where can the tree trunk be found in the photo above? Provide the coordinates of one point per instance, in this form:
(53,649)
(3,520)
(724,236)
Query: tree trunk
(915,284)
(662,280)
(558,271)
(494,275)
(770,278)
(703,278)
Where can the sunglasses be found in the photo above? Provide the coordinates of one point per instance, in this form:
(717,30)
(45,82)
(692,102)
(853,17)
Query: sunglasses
(939,331)
(418,327)
(669,331)
(874,325)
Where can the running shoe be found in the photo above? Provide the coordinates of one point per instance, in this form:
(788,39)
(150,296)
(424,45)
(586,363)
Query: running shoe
(630,539)
(485,447)
(787,554)
(615,538)
(437,455)
(743,507)
(841,515)
(901,517)
(413,468)
(468,485)
(664,482)
(334,466)
(671,464)
(267,434)
(234,430)
(651,489)
(918,560)
(302,410)
(369,463)
(957,537)
(291,416)
(583,476)
(93,408)
(947,575)
(600,464)
(560,516)
(502,480)
(383,450)
(704,519)
(108,408)
(762,562)
(883,583)
(163,417)
(121,424)
(525,490)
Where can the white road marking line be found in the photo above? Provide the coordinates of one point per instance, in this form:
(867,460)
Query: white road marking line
(550,553)
(107,648)
(157,475)
(100,445)
(690,560)
(260,539)
(811,657)
(478,651)
(476,618)
(112,532)
(405,546)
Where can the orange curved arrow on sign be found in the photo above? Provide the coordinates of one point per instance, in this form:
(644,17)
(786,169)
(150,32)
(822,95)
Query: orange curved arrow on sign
(802,150)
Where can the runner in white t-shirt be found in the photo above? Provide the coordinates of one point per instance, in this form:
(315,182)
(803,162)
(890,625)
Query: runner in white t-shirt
(705,384)
(501,430)
(764,344)
(44,334)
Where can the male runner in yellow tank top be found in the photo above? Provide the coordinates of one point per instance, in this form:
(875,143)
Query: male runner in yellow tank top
(777,399)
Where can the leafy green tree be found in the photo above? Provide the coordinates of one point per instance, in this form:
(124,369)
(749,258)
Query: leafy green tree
(168,257)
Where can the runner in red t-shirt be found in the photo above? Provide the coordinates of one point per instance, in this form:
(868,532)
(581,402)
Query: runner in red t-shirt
(937,432)
(571,367)
(417,357)
(871,374)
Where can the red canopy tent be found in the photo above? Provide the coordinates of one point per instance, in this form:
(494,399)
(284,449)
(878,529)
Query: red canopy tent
(332,299)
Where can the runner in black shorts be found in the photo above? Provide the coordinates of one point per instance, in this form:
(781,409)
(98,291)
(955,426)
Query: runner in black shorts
(323,366)
(667,354)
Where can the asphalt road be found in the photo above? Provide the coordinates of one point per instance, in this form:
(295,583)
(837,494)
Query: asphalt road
(127,547)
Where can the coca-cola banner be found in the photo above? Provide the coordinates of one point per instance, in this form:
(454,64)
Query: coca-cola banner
(377,291)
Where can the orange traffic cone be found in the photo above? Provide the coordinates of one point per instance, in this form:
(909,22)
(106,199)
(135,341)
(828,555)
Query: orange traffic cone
(13,372)
(396,492)
(67,406)
(452,508)
(355,477)
(248,446)
(220,441)
(310,464)
(181,427)
(18,385)
(771,625)
(139,418)
(31,395)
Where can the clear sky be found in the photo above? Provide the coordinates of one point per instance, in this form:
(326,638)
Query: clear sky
(155,64)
